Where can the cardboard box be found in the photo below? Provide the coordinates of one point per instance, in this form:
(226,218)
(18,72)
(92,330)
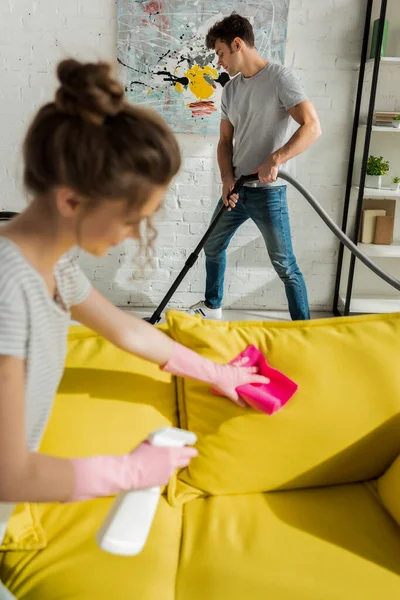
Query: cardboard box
(384,229)
(372,203)
(369,224)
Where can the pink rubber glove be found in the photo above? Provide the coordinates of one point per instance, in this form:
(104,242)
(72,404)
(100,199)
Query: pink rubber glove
(145,467)
(265,398)
(224,378)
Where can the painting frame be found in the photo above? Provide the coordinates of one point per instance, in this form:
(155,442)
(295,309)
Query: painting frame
(163,61)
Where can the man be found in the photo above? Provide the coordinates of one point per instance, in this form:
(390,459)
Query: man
(258,108)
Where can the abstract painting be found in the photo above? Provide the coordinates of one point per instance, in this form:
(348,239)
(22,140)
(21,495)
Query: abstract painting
(164,63)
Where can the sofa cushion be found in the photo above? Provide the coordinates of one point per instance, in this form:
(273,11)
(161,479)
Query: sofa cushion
(342,425)
(389,489)
(73,567)
(24,530)
(333,543)
(96,367)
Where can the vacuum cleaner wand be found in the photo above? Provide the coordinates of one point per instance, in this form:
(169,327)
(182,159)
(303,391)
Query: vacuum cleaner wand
(156,316)
(346,241)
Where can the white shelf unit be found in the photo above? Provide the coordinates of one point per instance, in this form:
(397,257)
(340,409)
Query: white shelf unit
(372,304)
(381,128)
(369,294)
(380,250)
(388,60)
(379,193)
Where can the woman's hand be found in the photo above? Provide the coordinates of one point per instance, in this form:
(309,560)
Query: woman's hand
(230,377)
(184,362)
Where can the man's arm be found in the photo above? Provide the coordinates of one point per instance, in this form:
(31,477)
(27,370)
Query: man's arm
(308,132)
(224,154)
(225,150)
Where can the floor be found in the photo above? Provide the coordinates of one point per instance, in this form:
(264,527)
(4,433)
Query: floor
(233,315)
(241,315)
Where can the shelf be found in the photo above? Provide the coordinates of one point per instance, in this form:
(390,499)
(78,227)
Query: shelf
(381,128)
(381,251)
(378,193)
(363,298)
(388,60)
(372,304)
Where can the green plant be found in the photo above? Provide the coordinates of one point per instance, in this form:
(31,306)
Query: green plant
(396,118)
(395,179)
(377,166)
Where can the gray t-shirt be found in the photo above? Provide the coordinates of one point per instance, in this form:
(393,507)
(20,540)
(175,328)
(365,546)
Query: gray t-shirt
(258,108)
(34,328)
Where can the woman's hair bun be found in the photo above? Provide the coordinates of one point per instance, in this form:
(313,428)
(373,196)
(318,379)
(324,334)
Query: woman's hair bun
(89,91)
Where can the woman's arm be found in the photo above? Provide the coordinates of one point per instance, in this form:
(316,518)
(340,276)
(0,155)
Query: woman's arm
(122,329)
(25,476)
(139,337)
(31,477)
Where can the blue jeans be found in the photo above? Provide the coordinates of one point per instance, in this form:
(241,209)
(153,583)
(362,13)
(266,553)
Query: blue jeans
(267,207)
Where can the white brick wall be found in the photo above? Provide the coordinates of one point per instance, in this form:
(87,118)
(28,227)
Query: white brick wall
(324,41)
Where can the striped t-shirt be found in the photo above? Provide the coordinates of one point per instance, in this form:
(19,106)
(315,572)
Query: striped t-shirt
(34,327)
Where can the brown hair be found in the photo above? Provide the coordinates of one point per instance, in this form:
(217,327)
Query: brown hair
(230,28)
(91,140)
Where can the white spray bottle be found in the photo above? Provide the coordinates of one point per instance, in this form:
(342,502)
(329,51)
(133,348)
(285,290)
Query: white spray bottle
(128,523)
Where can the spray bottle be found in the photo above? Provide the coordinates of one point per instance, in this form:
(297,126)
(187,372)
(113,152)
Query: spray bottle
(128,523)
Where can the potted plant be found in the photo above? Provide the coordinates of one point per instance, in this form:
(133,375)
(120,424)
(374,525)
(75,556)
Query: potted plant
(396,183)
(376,168)
(396,121)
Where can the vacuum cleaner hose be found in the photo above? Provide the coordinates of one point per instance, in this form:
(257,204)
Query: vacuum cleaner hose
(338,232)
(156,316)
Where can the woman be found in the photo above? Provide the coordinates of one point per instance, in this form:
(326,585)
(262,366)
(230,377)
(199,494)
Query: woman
(95,168)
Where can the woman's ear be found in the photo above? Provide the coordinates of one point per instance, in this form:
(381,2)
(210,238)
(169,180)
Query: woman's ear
(68,203)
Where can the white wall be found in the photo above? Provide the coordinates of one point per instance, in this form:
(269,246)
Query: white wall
(324,41)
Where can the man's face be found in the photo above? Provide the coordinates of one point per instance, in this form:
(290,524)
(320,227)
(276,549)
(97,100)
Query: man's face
(228,57)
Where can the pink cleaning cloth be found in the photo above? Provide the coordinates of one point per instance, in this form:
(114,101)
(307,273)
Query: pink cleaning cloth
(267,398)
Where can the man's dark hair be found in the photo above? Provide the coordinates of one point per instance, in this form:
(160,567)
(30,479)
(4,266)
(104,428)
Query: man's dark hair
(230,28)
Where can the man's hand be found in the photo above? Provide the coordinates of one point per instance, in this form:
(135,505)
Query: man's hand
(227,187)
(268,171)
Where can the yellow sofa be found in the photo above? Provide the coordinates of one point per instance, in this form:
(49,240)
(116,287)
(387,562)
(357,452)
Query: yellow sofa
(302,505)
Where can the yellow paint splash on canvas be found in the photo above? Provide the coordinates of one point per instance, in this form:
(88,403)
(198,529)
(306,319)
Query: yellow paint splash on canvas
(198,85)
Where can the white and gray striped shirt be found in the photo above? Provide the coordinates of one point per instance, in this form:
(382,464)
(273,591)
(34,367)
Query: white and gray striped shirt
(34,328)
